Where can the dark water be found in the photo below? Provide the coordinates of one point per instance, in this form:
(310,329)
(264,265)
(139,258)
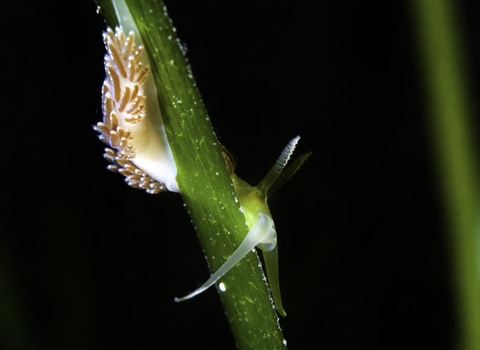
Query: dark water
(88,263)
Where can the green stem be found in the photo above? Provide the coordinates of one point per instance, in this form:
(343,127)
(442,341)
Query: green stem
(205,183)
(440,47)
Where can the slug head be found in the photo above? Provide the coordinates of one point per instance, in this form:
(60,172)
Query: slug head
(262,233)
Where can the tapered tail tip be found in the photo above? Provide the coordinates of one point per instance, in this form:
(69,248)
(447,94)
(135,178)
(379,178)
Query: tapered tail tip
(189,296)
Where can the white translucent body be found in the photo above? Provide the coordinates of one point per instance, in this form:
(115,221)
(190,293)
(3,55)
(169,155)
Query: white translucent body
(153,154)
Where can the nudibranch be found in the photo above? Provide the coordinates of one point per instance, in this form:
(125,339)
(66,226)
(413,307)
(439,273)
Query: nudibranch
(132,123)
(262,232)
(133,129)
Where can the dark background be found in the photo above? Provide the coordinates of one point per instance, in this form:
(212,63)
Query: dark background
(86,262)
